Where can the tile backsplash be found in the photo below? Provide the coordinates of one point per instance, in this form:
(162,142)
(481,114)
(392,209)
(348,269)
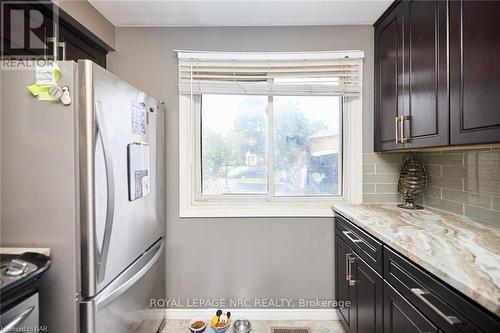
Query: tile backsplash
(464,182)
(380,177)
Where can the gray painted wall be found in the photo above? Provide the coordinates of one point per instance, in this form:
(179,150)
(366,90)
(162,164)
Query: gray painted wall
(238,257)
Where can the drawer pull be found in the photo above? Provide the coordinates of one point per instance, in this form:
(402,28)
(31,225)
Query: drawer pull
(347,267)
(354,240)
(349,261)
(452,320)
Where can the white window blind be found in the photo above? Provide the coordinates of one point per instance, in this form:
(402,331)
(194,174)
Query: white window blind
(295,74)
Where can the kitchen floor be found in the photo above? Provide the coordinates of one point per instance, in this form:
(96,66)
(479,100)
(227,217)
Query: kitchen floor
(264,326)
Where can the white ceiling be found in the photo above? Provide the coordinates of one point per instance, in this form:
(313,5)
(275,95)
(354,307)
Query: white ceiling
(136,13)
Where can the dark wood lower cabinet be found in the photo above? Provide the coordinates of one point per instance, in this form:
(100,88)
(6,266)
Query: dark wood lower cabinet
(439,303)
(342,288)
(404,298)
(359,284)
(367,300)
(401,316)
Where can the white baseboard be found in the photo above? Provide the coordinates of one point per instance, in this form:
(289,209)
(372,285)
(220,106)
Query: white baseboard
(257,314)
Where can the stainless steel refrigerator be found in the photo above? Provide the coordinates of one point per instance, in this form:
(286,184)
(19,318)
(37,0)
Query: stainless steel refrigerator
(86,180)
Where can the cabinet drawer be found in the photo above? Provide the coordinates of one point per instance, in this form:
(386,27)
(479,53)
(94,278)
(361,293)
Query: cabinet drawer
(447,308)
(401,316)
(367,247)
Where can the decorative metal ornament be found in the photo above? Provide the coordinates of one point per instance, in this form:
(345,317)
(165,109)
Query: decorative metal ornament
(412,181)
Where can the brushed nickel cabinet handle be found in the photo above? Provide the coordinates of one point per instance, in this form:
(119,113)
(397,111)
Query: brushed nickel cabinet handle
(354,240)
(402,119)
(396,121)
(350,261)
(402,129)
(452,320)
(347,267)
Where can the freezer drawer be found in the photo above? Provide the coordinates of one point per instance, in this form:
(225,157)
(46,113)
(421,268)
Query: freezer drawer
(124,305)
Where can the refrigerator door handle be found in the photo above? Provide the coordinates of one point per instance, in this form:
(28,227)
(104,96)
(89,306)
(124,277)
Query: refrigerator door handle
(130,276)
(110,195)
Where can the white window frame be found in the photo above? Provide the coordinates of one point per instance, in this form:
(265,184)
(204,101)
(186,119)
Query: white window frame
(193,204)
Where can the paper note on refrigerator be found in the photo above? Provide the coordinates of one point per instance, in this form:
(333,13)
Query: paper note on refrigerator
(138,118)
(45,78)
(139,172)
(47,75)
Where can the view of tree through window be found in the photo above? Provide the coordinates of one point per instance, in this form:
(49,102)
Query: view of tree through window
(306,145)
(306,139)
(234,144)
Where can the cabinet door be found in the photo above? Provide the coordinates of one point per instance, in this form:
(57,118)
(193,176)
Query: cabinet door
(389,78)
(367,299)
(426,63)
(342,288)
(474,72)
(401,316)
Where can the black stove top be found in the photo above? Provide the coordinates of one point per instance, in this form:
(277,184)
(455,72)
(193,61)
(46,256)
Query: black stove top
(19,274)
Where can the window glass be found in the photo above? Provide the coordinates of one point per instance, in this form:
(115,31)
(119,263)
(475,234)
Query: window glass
(233,144)
(307,145)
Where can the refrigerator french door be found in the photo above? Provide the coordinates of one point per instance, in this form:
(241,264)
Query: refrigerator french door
(86,180)
(120,196)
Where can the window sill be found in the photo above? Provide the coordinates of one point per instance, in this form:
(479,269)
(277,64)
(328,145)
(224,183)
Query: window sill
(260,209)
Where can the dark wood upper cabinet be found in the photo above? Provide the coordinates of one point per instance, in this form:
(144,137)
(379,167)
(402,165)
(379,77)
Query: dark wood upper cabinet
(411,76)
(74,47)
(475,71)
(440,73)
(389,78)
(75,41)
(426,67)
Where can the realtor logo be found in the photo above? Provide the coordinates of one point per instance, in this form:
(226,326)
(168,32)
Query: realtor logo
(27,29)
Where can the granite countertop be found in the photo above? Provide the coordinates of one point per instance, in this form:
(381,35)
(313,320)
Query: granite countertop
(460,251)
(21,250)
